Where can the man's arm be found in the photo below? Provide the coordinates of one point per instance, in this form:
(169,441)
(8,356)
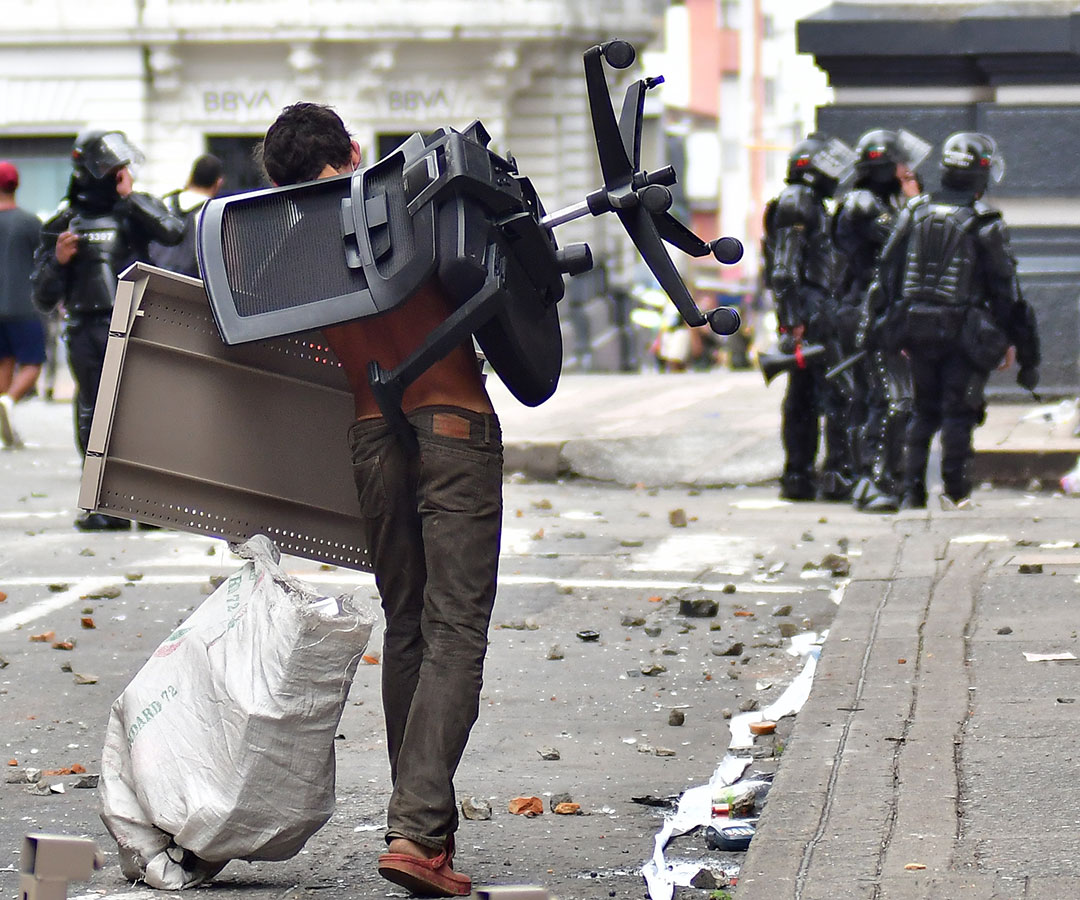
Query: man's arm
(152,216)
(1013,314)
(48,278)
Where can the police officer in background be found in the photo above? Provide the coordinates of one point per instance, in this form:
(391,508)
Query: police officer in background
(953,304)
(800,266)
(878,387)
(102,226)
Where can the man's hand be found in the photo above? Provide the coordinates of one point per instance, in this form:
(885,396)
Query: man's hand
(798,332)
(1008,359)
(124,183)
(67,245)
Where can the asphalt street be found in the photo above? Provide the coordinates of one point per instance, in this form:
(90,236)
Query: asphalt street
(927,737)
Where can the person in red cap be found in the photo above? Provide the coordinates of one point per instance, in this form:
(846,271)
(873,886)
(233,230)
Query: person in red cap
(22,334)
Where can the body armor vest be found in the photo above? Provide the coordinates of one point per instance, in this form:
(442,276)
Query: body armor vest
(941,255)
(94,278)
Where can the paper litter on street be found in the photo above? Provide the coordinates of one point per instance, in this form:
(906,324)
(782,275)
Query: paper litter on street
(1047,657)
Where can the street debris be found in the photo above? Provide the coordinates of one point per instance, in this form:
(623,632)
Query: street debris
(653,669)
(87,782)
(476,809)
(699,607)
(677,518)
(734,835)
(632,620)
(914,867)
(63,645)
(676,717)
(555,651)
(589,636)
(87,622)
(80,678)
(567,808)
(46,637)
(526,806)
(732,648)
(549,753)
(1048,657)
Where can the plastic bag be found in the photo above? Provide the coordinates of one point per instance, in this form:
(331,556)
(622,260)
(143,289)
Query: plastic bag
(222,746)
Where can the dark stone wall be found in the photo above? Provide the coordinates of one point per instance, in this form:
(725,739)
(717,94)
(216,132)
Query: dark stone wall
(980,47)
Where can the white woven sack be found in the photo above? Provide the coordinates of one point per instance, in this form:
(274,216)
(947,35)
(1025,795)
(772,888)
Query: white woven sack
(222,746)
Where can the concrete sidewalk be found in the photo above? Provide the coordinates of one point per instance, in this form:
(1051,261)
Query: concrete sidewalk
(722,428)
(934,758)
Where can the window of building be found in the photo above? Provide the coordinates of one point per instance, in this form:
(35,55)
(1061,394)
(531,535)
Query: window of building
(44,165)
(243,171)
(386,143)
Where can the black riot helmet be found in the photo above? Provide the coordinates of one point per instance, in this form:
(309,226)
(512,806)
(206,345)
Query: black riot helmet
(878,153)
(970,161)
(811,163)
(100,153)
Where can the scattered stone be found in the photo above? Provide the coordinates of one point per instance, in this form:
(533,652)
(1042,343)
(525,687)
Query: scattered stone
(556,799)
(808,536)
(565,589)
(788,629)
(63,645)
(574,535)
(476,809)
(549,753)
(527,806)
(742,805)
(838,566)
(843,543)
(676,717)
(784,610)
(748,705)
(85,679)
(87,622)
(109,593)
(58,587)
(677,518)
(86,551)
(670,651)
(699,608)
(3,663)
(589,636)
(644,748)
(24,776)
(541,504)
(567,809)
(1005,629)
(87,782)
(725,713)
(138,576)
(653,630)
(1031,568)
(523,625)
(744,614)
(630,620)
(664,751)
(555,652)
(46,637)
(653,669)
(777,567)
(625,542)
(729,588)
(705,880)
(733,649)
(66,667)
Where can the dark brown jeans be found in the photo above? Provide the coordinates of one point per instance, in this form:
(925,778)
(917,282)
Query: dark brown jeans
(433,524)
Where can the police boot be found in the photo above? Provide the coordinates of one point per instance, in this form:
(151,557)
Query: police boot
(882,502)
(862,491)
(835,486)
(914,498)
(93,521)
(797,486)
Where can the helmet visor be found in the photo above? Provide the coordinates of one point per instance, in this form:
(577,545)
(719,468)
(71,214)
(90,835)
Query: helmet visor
(835,159)
(108,153)
(914,148)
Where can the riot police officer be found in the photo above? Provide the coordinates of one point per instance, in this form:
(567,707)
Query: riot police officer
(878,387)
(953,302)
(800,266)
(102,226)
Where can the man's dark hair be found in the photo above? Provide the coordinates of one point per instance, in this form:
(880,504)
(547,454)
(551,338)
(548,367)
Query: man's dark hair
(206,171)
(303,140)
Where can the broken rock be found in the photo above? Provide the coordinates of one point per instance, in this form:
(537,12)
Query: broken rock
(699,608)
(476,808)
(527,806)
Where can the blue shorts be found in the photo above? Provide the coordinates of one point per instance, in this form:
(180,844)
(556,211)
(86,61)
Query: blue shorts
(24,339)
